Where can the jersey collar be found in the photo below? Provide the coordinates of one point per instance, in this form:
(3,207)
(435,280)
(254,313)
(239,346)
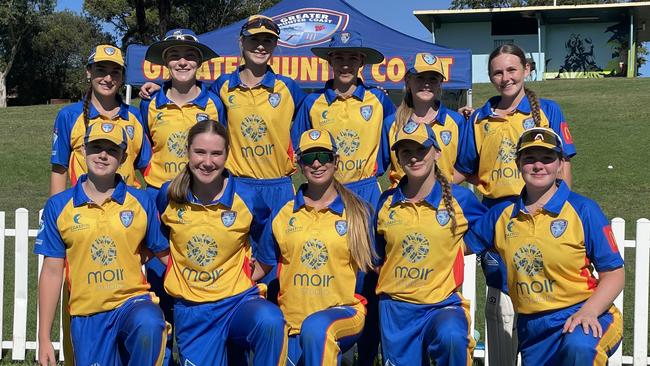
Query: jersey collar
(433,198)
(268,81)
(123,113)
(201,100)
(554,205)
(442,113)
(486,110)
(79,197)
(299,201)
(226,198)
(330,94)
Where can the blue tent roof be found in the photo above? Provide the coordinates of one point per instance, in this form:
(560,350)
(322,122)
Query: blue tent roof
(309,23)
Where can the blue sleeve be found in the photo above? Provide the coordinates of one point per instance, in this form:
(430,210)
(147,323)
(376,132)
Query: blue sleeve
(267,251)
(387,105)
(462,123)
(468,159)
(383,157)
(558,123)
(216,86)
(61,138)
(473,210)
(144,115)
(48,240)
(154,238)
(162,198)
(302,121)
(600,243)
(144,156)
(296,92)
(221,109)
(480,237)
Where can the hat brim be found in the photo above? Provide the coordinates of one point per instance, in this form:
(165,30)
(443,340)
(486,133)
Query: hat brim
(155,51)
(427,143)
(249,32)
(413,71)
(545,146)
(372,55)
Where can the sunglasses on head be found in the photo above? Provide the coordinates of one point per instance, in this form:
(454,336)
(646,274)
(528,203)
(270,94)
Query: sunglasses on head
(182,37)
(261,23)
(323,157)
(547,136)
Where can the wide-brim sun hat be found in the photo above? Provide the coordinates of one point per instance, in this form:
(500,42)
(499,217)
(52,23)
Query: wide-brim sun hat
(106,52)
(348,41)
(424,62)
(420,133)
(539,137)
(177,37)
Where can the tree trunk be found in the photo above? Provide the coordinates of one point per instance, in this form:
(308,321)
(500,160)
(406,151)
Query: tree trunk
(164,13)
(3,90)
(141,21)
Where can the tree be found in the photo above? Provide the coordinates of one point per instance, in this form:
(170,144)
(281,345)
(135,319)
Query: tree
(17,18)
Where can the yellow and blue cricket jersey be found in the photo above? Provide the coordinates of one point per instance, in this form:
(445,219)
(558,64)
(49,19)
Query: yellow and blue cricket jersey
(210,247)
(167,124)
(68,140)
(422,260)
(315,267)
(489,146)
(449,127)
(549,254)
(259,119)
(101,244)
(357,124)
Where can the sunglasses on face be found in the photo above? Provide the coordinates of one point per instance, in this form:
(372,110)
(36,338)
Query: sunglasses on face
(323,157)
(182,37)
(261,23)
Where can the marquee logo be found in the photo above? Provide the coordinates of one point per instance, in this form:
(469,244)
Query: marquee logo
(348,142)
(177,144)
(309,26)
(528,260)
(103,250)
(253,127)
(415,247)
(314,254)
(202,249)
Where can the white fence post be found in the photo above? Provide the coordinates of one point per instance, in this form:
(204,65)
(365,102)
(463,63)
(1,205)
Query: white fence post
(618,228)
(641,292)
(20,282)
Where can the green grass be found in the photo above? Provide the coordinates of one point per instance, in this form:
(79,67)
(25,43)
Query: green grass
(608,120)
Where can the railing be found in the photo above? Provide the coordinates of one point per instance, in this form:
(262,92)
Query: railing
(23,274)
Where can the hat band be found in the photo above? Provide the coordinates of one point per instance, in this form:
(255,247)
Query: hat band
(181,37)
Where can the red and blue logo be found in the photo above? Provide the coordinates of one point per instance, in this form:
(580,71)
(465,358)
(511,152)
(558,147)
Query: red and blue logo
(309,26)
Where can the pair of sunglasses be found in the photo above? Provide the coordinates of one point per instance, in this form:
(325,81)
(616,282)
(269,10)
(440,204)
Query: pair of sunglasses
(323,157)
(540,134)
(261,23)
(182,37)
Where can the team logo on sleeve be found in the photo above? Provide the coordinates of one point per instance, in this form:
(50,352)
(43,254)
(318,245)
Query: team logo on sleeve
(366,112)
(228,218)
(253,127)
(202,117)
(429,58)
(55,136)
(348,142)
(177,144)
(126,217)
(528,260)
(558,227)
(41,227)
(314,135)
(445,136)
(410,127)
(443,217)
(507,150)
(274,99)
(103,250)
(341,227)
(415,247)
(314,254)
(202,249)
(130,131)
(107,127)
(529,123)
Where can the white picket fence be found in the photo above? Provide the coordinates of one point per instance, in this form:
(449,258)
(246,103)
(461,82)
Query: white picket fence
(19,342)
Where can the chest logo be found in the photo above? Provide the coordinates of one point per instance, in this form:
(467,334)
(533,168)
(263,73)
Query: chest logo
(202,117)
(253,127)
(348,142)
(177,144)
(415,247)
(202,249)
(274,99)
(507,150)
(366,112)
(314,254)
(341,227)
(528,260)
(443,217)
(558,227)
(486,127)
(231,99)
(528,123)
(126,217)
(103,250)
(445,136)
(130,131)
(228,218)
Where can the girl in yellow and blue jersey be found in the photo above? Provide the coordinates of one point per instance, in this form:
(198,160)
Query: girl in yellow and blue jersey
(102,103)
(551,240)
(208,218)
(355,114)
(423,81)
(320,240)
(487,158)
(420,226)
(96,231)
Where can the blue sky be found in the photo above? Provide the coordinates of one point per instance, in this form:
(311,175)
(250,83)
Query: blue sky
(394,13)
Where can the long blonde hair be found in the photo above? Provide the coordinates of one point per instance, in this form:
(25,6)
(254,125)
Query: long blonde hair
(180,186)
(359,239)
(405,109)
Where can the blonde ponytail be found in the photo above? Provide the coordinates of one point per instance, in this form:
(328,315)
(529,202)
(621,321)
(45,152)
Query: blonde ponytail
(447,198)
(534,106)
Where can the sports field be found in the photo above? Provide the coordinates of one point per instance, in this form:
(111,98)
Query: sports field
(609,121)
